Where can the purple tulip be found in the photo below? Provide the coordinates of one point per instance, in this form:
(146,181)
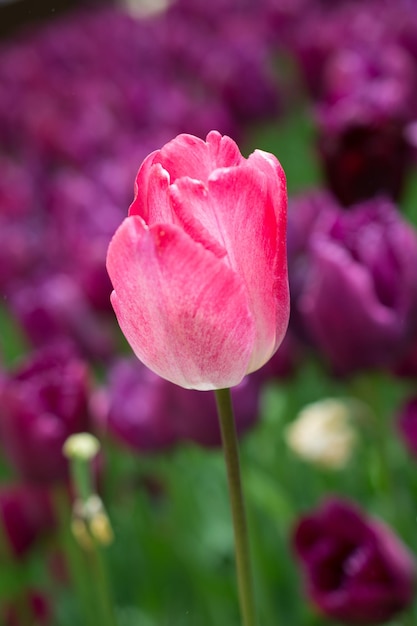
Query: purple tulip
(26,516)
(369,100)
(149,414)
(42,402)
(132,407)
(356,569)
(55,309)
(355,285)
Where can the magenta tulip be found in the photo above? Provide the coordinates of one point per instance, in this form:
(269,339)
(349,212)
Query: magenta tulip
(199,267)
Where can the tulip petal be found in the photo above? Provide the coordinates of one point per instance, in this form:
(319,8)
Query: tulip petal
(151,200)
(255,223)
(224,152)
(190,156)
(185,155)
(336,277)
(139,205)
(183,311)
(195,214)
(239,212)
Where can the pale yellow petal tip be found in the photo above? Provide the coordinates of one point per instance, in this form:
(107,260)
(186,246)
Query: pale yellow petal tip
(323,433)
(83,446)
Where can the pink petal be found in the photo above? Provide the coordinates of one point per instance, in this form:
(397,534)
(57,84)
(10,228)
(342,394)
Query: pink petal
(194,212)
(151,200)
(252,212)
(241,214)
(183,311)
(187,155)
(139,205)
(224,152)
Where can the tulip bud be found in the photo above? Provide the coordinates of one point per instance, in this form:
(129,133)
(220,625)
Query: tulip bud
(322,433)
(199,266)
(82,446)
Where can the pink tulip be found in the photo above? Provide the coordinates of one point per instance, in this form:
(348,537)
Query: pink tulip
(199,267)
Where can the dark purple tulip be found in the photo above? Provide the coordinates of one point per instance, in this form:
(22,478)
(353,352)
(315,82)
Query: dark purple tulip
(369,100)
(355,285)
(132,408)
(356,569)
(362,161)
(407,425)
(42,402)
(53,309)
(26,516)
(149,414)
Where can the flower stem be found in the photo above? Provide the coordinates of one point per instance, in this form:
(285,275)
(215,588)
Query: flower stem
(80,450)
(74,556)
(242,552)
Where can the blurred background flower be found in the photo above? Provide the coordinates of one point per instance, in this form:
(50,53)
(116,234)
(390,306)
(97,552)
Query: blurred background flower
(43,401)
(323,432)
(147,413)
(355,285)
(356,569)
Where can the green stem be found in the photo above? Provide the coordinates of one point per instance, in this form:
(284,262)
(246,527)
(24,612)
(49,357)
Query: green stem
(74,556)
(82,478)
(231,454)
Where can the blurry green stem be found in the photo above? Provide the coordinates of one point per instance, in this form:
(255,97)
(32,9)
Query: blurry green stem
(367,388)
(73,554)
(82,479)
(231,454)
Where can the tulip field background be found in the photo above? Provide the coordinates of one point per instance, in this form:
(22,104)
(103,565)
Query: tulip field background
(85,95)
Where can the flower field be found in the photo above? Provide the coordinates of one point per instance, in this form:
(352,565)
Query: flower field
(131,524)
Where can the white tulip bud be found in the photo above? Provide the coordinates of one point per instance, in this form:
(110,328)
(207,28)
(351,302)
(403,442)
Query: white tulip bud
(323,433)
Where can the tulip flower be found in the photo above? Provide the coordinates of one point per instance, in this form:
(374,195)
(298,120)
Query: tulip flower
(199,267)
(323,432)
(357,570)
(363,119)
(355,285)
(43,401)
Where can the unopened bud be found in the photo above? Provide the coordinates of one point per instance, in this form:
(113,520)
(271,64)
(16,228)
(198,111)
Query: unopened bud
(323,434)
(83,446)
